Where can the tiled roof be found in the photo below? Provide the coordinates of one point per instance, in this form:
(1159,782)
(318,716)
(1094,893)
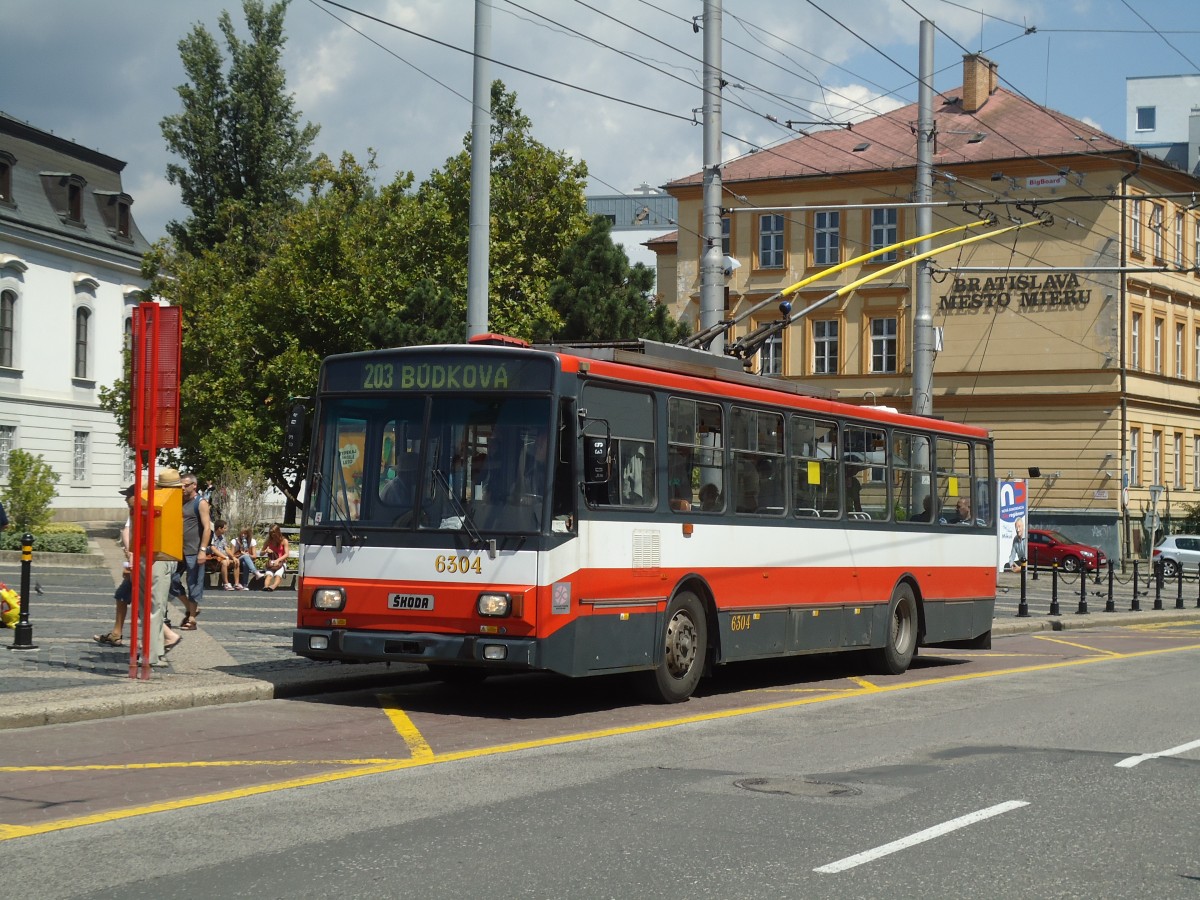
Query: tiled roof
(1012,128)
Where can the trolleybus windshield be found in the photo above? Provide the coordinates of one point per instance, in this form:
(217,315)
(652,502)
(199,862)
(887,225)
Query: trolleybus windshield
(442,461)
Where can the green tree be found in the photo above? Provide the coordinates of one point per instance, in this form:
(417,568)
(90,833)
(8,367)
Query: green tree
(238,135)
(538,207)
(600,297)
(30,489)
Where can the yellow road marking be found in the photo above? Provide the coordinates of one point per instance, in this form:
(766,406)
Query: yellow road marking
(8,832)
(417,745)
(1043,637)
(200,764)
(867,686)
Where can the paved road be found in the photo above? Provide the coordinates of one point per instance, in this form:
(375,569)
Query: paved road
(242,648)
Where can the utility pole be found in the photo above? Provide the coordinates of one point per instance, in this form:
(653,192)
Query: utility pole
(479,232)
(712,279)
(922,354)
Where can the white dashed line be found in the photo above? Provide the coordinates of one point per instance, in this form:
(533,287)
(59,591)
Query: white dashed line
(920,837)
(1131,761)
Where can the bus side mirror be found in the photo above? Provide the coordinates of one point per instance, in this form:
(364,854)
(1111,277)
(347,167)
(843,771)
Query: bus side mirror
(595,463)
(293,435)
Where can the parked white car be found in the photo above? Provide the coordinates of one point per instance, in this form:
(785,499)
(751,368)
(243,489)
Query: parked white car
(1178,551)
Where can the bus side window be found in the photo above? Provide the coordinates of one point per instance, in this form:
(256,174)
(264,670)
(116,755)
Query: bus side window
(816,491)
(695,454)
(630,418)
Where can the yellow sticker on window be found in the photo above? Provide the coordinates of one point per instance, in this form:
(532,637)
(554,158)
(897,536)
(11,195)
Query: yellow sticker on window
(814,472)
(952,486)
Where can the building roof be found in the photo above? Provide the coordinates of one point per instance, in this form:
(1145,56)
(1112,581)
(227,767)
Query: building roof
(42,158)
(1012,127)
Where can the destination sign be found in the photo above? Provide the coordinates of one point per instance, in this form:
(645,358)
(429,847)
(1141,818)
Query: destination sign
(421,372)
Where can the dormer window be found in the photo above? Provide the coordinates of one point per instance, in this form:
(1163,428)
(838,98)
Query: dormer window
(7,161)
(115,210)
(65,192)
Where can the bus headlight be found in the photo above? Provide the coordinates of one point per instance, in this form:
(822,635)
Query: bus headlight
(494,604)
(331,599)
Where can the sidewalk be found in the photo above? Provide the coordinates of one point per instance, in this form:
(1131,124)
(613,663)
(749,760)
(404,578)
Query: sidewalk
(241,650)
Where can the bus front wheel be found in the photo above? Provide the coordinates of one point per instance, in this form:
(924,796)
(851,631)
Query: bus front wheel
(900,644)
(685,648)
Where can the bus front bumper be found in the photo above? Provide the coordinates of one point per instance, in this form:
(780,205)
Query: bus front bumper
(413,647)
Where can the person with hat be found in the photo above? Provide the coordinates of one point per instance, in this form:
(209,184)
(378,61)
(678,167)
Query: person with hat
(124,591)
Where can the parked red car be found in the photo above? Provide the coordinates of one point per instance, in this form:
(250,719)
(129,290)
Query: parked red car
(1049,547)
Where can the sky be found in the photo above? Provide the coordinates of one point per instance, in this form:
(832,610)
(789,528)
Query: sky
(615,83)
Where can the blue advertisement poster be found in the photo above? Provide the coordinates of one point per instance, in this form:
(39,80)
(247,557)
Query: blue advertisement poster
(1013,504)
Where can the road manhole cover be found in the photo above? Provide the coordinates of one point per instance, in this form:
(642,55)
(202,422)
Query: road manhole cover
(797,787)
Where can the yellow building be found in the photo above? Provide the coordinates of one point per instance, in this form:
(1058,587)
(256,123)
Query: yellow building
(1084,365)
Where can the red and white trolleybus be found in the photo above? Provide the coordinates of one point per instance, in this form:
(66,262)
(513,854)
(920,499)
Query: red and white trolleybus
(487,508)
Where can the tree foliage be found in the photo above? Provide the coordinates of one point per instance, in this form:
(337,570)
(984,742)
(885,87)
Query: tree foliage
(30,490)
(538,207)
(269,286)
(238,134)
(598,296)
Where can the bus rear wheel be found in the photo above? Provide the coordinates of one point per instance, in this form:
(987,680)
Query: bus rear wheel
(685,649)
(900,645)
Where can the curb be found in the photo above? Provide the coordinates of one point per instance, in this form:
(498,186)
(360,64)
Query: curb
(1089,620)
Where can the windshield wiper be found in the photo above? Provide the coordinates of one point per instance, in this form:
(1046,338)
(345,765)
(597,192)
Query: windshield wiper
(337,508)
(468,524)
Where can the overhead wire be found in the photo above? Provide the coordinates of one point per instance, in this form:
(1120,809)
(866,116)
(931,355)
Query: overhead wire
(757,146)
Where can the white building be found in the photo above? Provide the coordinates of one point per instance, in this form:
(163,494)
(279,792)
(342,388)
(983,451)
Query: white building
(70,258)
(1162,116)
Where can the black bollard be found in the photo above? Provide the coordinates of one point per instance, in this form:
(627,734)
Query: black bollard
(1035,570)
(1136,606)
(1023,606)
(1179,586)
(1109,605)
(1083,582)
(23,633)
(1054,610)
(1197,587)
(1158,584)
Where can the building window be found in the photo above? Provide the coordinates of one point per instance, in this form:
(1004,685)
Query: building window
(1196,245)
(1179,227)
(8,328)
(883,233)
(1135,226)
(1156,458)
(1178,351)
(1196,462)
(82,321)
(1196,361)
(825,347)
(1135,456)
(8,443)
(770,242)
(726,231)
(770,360)
(1135,342)
(827,238)
(883,345)
(1177,461)
(1145,118)
(1156,229)
(123,220)
(1158,348)
(75,202)
(79,463)
(6,168)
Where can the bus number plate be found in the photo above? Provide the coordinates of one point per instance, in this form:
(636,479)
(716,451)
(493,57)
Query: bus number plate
(410,601)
